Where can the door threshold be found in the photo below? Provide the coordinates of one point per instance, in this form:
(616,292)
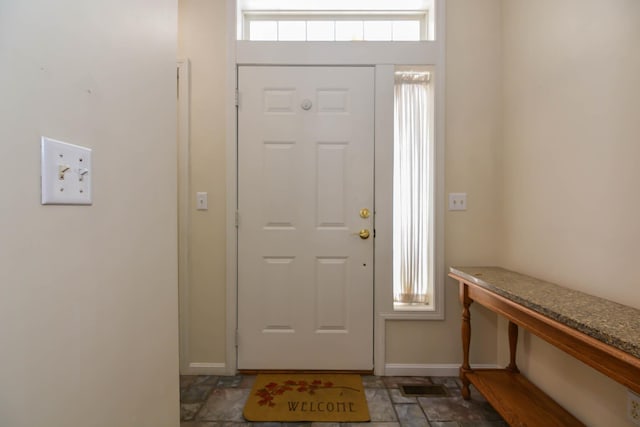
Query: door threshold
(305,371)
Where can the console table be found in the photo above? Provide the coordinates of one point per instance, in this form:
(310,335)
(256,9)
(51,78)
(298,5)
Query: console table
(603,334)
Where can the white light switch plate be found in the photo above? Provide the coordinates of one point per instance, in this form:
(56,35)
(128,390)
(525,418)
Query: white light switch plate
(66,173)
(202,202)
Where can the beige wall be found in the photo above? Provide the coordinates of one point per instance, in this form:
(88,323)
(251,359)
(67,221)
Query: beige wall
(202,40)
(88,294)
(571,164)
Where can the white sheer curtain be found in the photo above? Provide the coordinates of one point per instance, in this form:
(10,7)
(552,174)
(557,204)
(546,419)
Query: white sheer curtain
(412,189)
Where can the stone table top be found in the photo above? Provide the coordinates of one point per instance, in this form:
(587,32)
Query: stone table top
(612,323)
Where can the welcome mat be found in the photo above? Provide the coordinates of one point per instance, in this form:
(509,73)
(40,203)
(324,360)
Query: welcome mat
(307,397)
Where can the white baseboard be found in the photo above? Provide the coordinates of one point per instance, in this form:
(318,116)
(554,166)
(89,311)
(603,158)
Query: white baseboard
(427,369)
(196,368)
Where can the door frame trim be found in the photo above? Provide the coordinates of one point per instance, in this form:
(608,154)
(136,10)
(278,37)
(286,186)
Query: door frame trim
(184,223)
(231,305)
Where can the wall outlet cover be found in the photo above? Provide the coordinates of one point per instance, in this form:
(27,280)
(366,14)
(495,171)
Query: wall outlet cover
(457,201)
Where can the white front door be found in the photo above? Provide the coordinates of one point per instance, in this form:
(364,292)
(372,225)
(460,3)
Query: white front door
(305,172)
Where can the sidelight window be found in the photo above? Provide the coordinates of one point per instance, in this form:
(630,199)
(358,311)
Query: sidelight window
(413,191)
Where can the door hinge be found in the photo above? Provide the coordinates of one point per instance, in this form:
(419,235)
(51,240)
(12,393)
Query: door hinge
(237,98)
(237,219)
(237,338)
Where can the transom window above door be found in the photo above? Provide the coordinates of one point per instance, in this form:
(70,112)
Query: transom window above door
(329,28)
(331,20)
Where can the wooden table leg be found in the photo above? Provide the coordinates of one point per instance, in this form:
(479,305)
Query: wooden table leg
(466,339)
(513,344)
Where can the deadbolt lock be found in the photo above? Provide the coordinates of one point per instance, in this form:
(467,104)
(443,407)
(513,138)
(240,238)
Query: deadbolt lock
(364,213)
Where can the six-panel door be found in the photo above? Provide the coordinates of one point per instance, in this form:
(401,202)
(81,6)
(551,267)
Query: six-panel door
(305,172)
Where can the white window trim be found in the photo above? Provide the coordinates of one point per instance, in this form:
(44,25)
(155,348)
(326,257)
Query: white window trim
(382,55)
(384,197)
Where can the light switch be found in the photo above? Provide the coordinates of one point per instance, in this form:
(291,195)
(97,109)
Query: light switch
(202,203)
(65,173)
(457,201)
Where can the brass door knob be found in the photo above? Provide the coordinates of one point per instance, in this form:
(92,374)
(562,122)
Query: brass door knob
(364,234)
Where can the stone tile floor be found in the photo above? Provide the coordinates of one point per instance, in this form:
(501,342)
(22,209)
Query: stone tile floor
(210,401)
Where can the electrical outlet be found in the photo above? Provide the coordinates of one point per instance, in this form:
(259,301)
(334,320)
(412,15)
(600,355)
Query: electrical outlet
(457,201)
(633,407)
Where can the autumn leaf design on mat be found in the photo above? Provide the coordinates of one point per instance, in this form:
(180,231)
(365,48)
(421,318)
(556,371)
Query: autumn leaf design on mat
(273,389)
